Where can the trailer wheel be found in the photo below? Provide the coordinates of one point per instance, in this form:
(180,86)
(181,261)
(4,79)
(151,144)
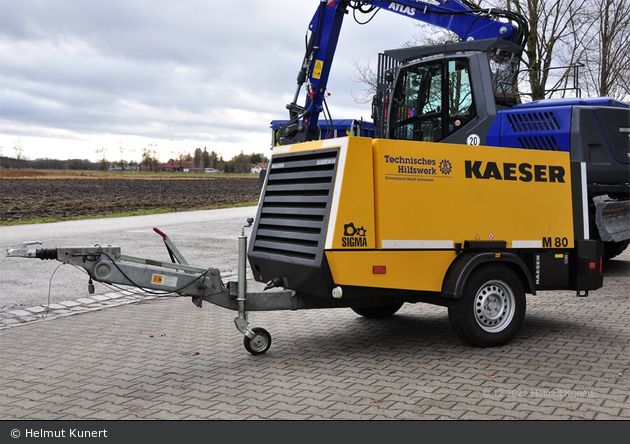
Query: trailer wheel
(491,309)
(260,343)
(381,312)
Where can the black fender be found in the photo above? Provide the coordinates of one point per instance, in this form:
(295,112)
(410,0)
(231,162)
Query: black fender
(462,267)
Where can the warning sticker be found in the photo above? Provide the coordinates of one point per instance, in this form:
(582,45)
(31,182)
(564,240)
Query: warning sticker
(167,281)
(317,70)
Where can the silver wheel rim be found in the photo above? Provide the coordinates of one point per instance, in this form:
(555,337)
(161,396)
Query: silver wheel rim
(494,306)
(259,342)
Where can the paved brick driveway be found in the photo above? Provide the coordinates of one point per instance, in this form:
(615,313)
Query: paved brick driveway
(167,359)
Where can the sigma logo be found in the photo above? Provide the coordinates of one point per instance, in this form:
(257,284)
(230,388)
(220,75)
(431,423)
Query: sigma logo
(353,236)
(397,7)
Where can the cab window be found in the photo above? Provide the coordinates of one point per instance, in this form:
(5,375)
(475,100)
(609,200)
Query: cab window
(418,102)
(460,96)
(432,101)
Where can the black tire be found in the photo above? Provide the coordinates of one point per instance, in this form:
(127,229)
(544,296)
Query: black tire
(614,249)
(381,312)
(492,307)
(260,343)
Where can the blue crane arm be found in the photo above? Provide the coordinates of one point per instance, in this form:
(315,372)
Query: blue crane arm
(461,18)
(458,16)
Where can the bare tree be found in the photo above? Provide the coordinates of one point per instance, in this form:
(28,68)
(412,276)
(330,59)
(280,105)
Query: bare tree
(177,152)
(602,48)
(121,150)
(103,163)
(132,163)
(209,159)
(365,76)
(181,156)
(563,34)
(198,158)
(150,158)
(551,23)
(18,151)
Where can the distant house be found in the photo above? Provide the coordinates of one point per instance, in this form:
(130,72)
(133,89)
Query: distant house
(256,169)
(176,166)
(115,167)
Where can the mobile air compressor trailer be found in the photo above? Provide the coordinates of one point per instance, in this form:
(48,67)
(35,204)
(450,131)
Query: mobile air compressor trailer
(371,224)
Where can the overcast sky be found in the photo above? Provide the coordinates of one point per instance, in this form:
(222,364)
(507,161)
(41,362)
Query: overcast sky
(77,76)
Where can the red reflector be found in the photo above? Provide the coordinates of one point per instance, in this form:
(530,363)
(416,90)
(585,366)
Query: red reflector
(601,265)
(379,269)
(591,265)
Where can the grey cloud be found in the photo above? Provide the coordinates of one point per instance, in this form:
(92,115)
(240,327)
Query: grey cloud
(159,68)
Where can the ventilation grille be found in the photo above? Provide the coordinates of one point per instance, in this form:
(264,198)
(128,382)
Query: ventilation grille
(539,128)
(294,210)
(533,122)
(548,143)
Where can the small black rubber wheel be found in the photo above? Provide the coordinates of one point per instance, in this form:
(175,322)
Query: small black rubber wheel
(384,311)
(260,343)
(491,309)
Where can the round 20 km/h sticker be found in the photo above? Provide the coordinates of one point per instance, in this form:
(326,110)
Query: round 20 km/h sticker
(473,139)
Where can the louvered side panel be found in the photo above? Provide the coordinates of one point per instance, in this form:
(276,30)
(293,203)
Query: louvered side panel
(293,216)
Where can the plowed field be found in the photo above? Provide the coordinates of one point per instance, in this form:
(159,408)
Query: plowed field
(25,198)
